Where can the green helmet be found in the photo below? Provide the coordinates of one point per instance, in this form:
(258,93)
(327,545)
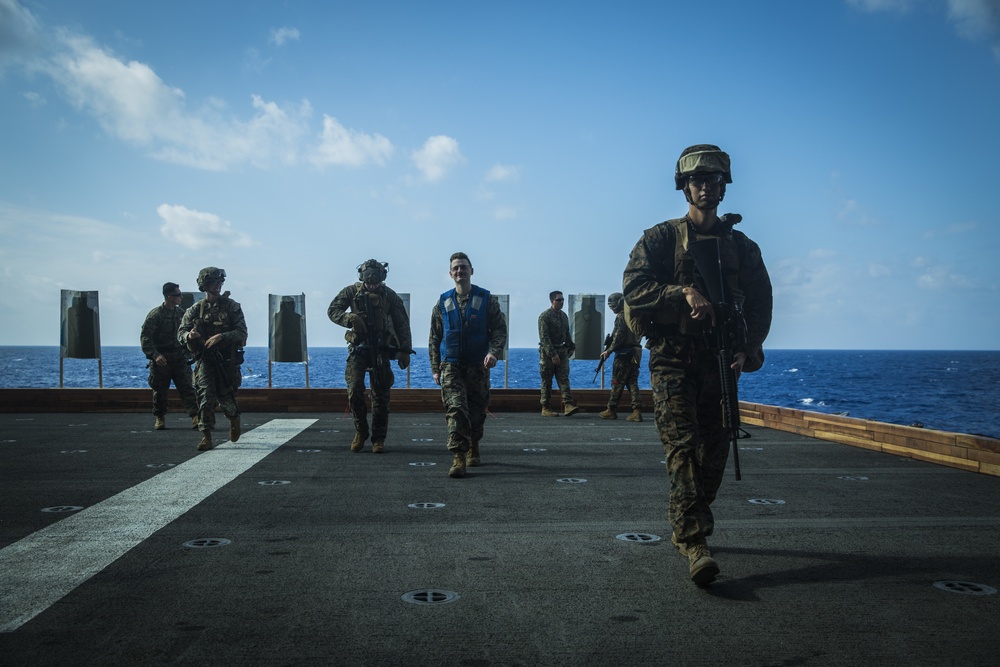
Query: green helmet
(615,300)
(701,159)
(373,271)
(210,274)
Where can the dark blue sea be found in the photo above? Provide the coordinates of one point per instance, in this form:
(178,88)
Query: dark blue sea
(950,391)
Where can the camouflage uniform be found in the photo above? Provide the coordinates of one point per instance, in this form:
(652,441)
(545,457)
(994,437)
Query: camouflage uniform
(465,386)
(684,372)
(389,324)
(158,336)
(625,369)
(217,386)
(553,339)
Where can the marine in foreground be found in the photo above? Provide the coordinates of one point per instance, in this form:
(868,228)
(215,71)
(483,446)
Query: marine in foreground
(665,297)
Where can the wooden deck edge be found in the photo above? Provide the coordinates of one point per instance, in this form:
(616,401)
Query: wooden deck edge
(967,452)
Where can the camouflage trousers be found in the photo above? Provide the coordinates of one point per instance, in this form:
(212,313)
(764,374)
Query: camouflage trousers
(687,408)
(548,370)
(465,392)
(354,375)
(213,390)
(625,375)
(179,371)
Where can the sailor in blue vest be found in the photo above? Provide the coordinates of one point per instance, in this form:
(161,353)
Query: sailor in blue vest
(468,335)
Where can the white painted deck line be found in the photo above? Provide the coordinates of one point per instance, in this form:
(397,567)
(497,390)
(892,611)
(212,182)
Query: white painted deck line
(40,569)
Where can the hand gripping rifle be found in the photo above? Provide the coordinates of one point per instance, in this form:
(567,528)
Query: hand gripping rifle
(728,334)
(607,344)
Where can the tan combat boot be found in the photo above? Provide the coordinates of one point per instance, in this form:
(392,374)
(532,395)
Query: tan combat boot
(194,422)
(472,456)
(234,428)
(549,412)
(609,413)
(358,443)
(206,441)
(160,423)
(570,409)
(701,566)
(636,416)
(378,446)
(457,465)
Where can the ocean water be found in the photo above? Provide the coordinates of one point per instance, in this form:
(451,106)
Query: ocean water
(950,391)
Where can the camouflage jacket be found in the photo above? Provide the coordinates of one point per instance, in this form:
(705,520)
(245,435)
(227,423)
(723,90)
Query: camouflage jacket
(387,319)
(159,333)
(660,267)
(553,332)
(224,317)
(496,323)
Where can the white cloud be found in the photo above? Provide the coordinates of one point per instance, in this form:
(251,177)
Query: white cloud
(19,32)
(34,99)
(503,172)
(350,148)
(900,6)
(940,278)
(281,35)
(504,213)
(438,155)
(197,230)
(975,19)
(132,103)
(876,270)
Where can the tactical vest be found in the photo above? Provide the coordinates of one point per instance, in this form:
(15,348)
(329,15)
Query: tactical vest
(667,320)
(466,336)
(377,314)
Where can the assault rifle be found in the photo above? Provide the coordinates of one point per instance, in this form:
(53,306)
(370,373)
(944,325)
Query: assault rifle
(607,344)
(729,333)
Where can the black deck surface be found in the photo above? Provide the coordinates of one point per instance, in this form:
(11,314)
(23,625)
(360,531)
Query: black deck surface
(829,554)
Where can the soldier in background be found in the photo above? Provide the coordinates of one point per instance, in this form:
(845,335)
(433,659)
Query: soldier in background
(216,331)
(555,347)
(168,359)
(664,304)
(625,370)
(468,334)
(379,331)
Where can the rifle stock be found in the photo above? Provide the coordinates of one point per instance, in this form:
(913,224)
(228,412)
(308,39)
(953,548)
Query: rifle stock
(725,335)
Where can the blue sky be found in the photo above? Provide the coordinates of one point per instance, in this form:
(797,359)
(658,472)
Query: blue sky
(287,142)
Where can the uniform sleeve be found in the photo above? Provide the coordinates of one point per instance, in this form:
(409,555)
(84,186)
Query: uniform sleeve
(338,310)
(617,334)
(643,283)
(146,335)
(498,328)
(238,336)
(434,341)
(758,299)
(544,338)
(187,323)
(401,323)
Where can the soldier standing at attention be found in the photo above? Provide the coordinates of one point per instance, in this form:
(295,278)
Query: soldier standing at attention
(168,359)
(379,331)
(625,370)
(216,331)
(665,304)
(554,350)
(468,334)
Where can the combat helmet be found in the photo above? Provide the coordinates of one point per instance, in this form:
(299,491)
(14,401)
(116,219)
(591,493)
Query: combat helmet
(373,271)
(210,274)
(615,300)
(701,159)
